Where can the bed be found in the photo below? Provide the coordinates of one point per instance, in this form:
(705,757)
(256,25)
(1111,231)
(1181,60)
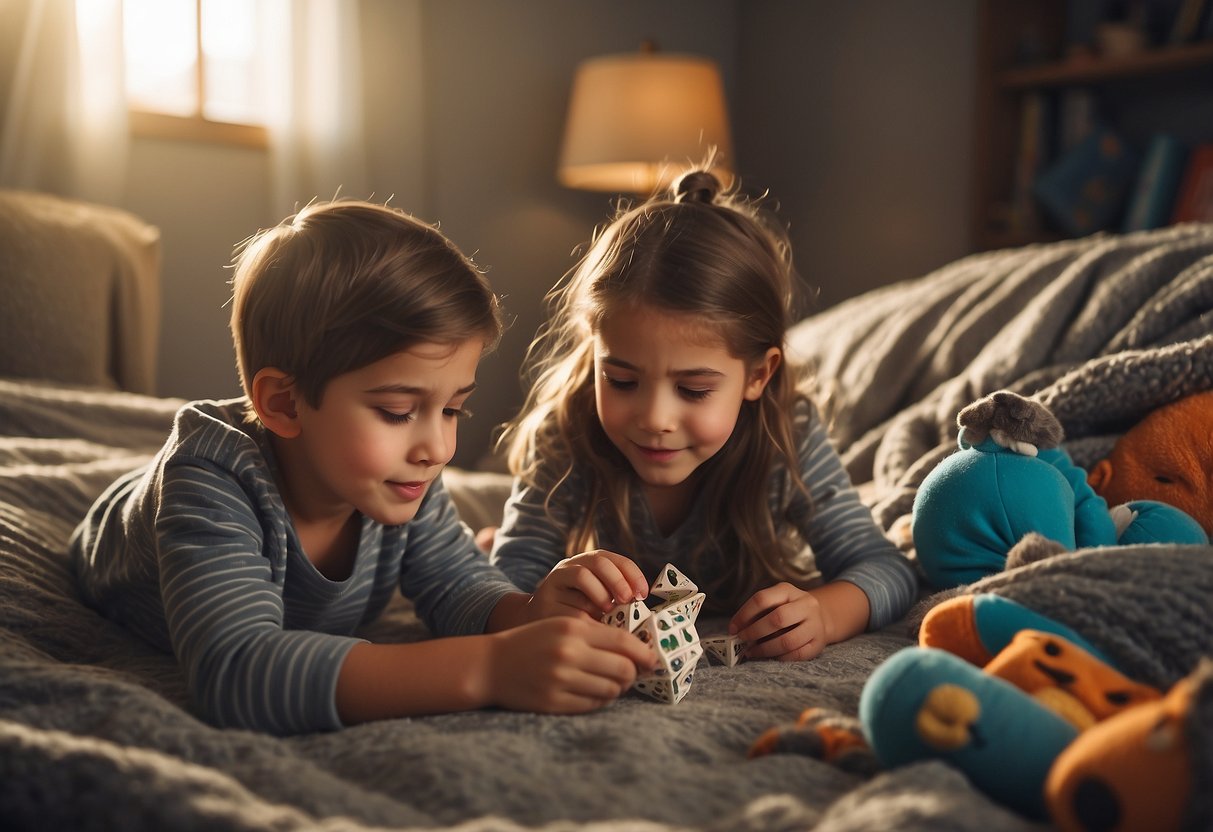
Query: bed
(96,731)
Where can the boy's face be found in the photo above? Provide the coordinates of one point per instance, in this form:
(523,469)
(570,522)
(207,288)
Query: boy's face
(668,393)
(383,432)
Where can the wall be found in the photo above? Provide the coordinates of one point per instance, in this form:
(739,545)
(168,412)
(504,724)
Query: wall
(855,116)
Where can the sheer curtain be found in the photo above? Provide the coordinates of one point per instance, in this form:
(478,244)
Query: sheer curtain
(315,118)
(65,125)
(66,128)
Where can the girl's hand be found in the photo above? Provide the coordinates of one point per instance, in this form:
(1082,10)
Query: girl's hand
(788,623)
(563,665)
(781,622)
(588,585)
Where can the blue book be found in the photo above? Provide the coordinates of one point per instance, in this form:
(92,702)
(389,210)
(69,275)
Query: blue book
(1157,184)
(1086,189)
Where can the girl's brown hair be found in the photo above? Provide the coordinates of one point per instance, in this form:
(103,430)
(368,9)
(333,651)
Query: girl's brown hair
(342,284)
(699,251)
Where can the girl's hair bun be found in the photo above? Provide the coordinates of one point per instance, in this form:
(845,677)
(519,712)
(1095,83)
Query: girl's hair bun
(696,186)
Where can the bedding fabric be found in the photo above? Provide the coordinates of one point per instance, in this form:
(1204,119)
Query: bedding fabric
(95,730)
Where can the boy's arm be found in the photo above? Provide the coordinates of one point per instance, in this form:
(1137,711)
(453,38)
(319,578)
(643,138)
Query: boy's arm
(557,665)
(453,586)
(220,568)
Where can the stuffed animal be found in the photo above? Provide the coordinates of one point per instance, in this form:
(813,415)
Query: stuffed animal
(1003,725)
(1011,478)
(1168,457)
(1035,718)
(1147,768)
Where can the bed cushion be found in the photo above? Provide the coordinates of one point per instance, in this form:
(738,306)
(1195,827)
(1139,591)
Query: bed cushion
(81,292)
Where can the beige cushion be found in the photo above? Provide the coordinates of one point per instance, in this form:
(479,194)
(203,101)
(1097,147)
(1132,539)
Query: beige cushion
(80,289)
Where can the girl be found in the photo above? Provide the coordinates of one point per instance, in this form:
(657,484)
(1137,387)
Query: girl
(665,422)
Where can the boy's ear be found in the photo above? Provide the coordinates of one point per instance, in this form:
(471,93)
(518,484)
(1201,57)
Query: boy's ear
(762,372)
(273,396)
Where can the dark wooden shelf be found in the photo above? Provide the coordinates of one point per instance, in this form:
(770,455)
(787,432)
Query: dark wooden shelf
(1159,89)
(1170,59)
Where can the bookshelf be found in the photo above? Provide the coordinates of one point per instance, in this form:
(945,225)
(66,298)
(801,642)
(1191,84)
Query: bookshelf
(1022,55)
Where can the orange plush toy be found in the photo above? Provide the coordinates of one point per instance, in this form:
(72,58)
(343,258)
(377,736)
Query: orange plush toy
(1167,457)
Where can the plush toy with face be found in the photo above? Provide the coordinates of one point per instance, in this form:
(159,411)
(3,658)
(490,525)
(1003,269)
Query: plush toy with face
(1011,478)
(1167,457)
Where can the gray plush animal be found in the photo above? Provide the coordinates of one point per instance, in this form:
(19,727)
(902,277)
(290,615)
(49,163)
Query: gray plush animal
(1011,420)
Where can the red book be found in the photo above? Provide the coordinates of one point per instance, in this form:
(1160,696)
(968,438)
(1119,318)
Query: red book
(1195,202)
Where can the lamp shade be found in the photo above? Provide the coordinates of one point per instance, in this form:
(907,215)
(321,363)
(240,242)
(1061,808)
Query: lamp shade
(638,120)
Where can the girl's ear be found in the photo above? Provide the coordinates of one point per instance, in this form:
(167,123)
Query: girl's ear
(273,396)
(761,373)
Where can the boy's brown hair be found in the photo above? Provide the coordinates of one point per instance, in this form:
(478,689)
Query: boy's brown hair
(340,285)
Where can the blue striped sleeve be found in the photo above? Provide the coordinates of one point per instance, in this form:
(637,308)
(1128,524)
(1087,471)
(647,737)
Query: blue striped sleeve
(847,543)
(224,611)
(447,577)
(529,542)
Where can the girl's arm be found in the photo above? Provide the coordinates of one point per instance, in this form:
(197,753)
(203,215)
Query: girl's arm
(530,541)
(846,542)
(868,582)
(530,548)
(557,665)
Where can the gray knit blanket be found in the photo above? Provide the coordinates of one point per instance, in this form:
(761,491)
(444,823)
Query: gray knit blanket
(96,731)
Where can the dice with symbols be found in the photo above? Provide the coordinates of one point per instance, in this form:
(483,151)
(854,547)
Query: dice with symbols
(688,605)
(671,633)
(669,628)
(628,616)
(668,689)
(672,584)
(725,649)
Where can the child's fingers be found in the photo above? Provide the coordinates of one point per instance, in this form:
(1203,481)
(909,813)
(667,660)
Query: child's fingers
(604,577)
(760,604)
(631,585)
(579,577)
(613,641)
(789,645)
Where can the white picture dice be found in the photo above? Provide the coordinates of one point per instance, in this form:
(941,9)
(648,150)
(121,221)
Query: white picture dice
(670,629)
(668,689)
(628,616)
(672,584)
(688,606)
(725,649)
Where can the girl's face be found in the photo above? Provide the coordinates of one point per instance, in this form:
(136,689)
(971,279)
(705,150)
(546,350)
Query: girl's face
(383,433)
(668,391)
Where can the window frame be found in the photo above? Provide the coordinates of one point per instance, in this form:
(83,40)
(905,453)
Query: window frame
(154,124)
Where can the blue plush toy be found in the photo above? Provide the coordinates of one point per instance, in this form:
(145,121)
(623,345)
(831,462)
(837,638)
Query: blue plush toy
(1010,478)
(925,703)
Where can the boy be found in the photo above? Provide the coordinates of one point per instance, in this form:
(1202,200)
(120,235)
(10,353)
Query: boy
(269,528)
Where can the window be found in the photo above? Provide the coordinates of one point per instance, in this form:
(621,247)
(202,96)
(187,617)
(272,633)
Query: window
(194,69)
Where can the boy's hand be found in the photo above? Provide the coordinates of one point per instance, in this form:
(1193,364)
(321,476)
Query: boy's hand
(797,623)
(588,585)
(563,665)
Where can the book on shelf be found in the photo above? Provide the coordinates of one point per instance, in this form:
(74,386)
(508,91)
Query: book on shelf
(1189,21)
(1085,190)
(1034,153)
(1195,200)
(1153,197)
(1077,115)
